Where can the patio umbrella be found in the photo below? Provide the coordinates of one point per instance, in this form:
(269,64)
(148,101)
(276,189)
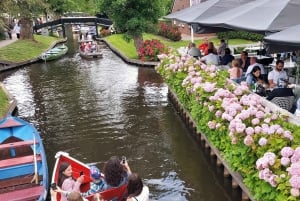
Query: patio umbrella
(260,16)
(284,41)
(204,10)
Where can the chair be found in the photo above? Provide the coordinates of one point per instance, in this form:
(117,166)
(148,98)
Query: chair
(284,102)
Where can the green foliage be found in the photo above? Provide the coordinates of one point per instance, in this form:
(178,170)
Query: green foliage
(190,81)
(132,17)
(241,35)
(23,50)
(3,103)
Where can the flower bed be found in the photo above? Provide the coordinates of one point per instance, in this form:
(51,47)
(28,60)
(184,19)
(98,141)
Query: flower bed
(260,144)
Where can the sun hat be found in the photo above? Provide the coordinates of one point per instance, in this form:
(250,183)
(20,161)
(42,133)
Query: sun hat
(95,172)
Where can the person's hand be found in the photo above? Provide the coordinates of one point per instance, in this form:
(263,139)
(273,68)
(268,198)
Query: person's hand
(53,193)
(80,179)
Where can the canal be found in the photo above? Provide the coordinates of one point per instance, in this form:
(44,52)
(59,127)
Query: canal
(95,109)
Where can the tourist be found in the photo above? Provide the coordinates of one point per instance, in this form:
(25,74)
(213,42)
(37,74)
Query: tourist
(244,61)
(193,51)
(227,58)
(235,72)
(17,30)
(222,47)
(278,77)
(136,191)
(66,181)
(254,78)
(210,58)
(253,62)
(96,184)
(203,46)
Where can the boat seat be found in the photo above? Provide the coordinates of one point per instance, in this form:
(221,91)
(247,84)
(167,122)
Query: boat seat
(17,181)
(32,193)
(19,161)
(16,144)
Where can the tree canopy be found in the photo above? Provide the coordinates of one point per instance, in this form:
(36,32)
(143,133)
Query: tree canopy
(133,17)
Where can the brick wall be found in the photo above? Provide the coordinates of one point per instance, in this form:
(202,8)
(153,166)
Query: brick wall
(182,4)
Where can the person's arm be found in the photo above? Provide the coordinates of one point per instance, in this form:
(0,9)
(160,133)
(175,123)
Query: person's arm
(272,84)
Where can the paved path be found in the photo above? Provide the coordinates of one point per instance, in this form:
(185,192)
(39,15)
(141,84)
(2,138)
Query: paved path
(3,43)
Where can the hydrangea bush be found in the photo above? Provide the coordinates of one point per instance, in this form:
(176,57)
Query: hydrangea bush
(260,144)
(151,49)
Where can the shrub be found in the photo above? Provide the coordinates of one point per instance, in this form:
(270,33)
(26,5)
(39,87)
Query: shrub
(169,31)
(240,34)
(150,49)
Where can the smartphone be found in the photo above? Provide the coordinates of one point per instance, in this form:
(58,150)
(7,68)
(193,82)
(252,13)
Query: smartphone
(123,159)
(53,186)
(81,173)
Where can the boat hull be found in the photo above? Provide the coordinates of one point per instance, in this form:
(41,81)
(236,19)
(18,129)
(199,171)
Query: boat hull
(23,164)
(54,53)
(91,55)
(77,167)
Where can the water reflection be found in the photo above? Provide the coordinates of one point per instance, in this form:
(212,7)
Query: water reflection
(99,108)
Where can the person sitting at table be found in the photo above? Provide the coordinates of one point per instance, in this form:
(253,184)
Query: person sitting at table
(227,58)
(211,46)
(193,51)
(256,82)
(277,76)
(244,61)
(253,62)
(284,98)
(211,58)
(203,46)
(235,72)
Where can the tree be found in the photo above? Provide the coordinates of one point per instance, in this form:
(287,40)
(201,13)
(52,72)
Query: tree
(133,17)
(25,10)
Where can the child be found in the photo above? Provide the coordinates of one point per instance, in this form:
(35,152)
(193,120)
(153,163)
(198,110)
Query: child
(235,72)
(97,183)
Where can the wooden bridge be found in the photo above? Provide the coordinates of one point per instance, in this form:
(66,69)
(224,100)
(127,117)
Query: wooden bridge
(95,21)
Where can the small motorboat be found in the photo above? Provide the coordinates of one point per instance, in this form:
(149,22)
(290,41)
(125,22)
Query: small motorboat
(54,53)
(79,168)
(90,50)
(23,164)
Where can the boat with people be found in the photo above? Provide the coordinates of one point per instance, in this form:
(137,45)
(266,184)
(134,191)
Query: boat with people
(23,164)
(54,53)
(78,169)
(90,50)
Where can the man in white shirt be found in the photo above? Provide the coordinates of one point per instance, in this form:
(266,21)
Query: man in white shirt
(253,62)
(277,74)
(210,58)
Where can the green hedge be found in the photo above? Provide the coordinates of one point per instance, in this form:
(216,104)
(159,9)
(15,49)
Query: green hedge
(191,81)
(241,35)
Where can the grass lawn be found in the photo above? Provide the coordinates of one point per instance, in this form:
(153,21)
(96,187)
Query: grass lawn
(23,50)
(129,51)
(3,103)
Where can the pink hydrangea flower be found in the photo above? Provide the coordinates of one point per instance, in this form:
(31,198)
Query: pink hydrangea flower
(285,161)
(262,141)
(287,152)
(248,140)
(295,181)
(295,192)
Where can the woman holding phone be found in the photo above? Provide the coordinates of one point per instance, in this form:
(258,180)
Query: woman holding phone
(66,181)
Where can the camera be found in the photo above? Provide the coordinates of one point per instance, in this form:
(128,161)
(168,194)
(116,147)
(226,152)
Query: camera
(123,159)
(53,186)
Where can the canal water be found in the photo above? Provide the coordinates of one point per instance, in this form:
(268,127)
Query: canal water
(94,109)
